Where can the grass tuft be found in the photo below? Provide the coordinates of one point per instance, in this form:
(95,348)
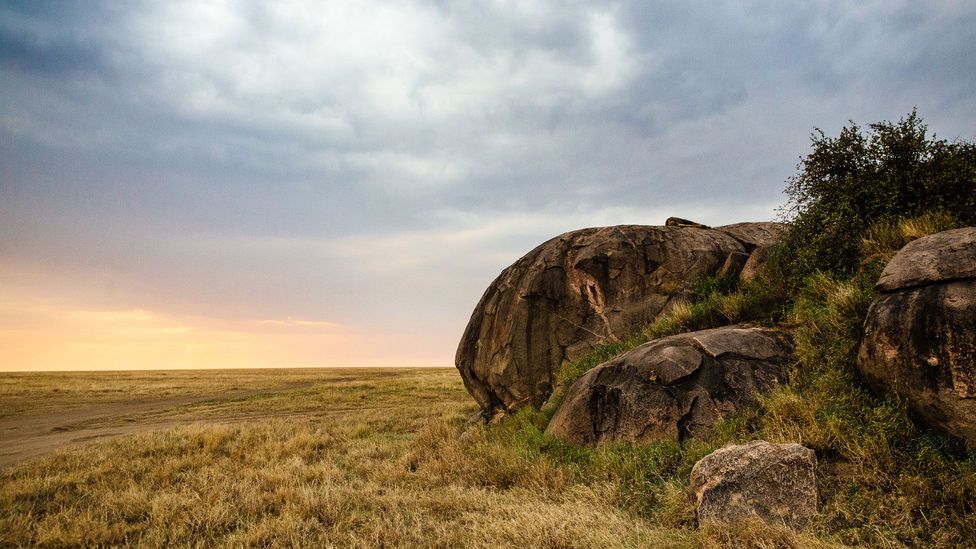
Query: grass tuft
(884,239)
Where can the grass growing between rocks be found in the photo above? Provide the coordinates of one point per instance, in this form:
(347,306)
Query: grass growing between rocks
(714,302)
(884,481)
(647,483)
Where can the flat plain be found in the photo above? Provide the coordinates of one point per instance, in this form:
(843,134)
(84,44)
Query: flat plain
(315,457)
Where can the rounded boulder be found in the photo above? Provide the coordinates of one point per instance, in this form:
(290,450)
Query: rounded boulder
(673,387)
(920,332)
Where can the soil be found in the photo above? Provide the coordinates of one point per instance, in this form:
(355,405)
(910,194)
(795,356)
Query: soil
(34,434)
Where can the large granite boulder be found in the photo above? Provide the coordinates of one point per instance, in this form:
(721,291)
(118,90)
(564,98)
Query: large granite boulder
(920,332)
(673,387)
(579,290)
(776,483)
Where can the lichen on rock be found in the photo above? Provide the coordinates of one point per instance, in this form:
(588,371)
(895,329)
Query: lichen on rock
(775,483)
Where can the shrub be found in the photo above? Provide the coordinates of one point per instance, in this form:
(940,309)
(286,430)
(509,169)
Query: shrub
(884,481)
(857,179)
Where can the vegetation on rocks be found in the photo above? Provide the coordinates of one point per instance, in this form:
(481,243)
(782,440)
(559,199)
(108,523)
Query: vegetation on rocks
(885,479)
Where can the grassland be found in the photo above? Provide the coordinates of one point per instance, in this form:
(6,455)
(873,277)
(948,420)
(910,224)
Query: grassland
(293,458)
(335,458)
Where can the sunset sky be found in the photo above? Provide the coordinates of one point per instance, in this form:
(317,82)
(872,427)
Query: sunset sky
(245,184)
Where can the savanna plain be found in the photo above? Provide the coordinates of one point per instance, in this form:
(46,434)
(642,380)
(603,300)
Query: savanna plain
(326,457)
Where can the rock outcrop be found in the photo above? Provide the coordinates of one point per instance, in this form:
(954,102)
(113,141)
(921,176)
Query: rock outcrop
(672,387)
(776,483)
(920,332)
(579,290)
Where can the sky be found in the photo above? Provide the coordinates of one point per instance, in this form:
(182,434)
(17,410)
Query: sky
(290,183)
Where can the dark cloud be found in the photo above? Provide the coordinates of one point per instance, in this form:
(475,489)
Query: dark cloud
(55,39)
(59,56)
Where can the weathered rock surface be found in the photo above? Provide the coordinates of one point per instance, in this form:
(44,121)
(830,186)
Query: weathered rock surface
(776,483)
(672,387)
(753,267)
(578,290)
(758,238)
(755,235)
(938,258)
(920,332)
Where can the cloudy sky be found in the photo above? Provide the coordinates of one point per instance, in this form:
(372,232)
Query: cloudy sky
(220,184)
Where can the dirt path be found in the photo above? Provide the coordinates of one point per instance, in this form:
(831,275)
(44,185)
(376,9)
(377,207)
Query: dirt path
(31,435)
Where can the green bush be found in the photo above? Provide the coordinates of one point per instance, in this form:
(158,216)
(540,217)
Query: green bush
(855,180)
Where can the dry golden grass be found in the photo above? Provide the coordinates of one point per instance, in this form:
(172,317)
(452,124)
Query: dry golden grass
(333,458)
(349,458)
(26,393)
(883,240)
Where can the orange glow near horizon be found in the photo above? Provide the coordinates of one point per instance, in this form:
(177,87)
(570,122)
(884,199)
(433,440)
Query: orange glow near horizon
(42,335)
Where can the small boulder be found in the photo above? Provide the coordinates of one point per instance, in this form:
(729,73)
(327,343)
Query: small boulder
(940,257)
(776,483)
(681,222)
(758,239)
(920,332)
(673,387)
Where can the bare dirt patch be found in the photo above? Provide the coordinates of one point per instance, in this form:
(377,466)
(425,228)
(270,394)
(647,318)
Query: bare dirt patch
(38,432)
